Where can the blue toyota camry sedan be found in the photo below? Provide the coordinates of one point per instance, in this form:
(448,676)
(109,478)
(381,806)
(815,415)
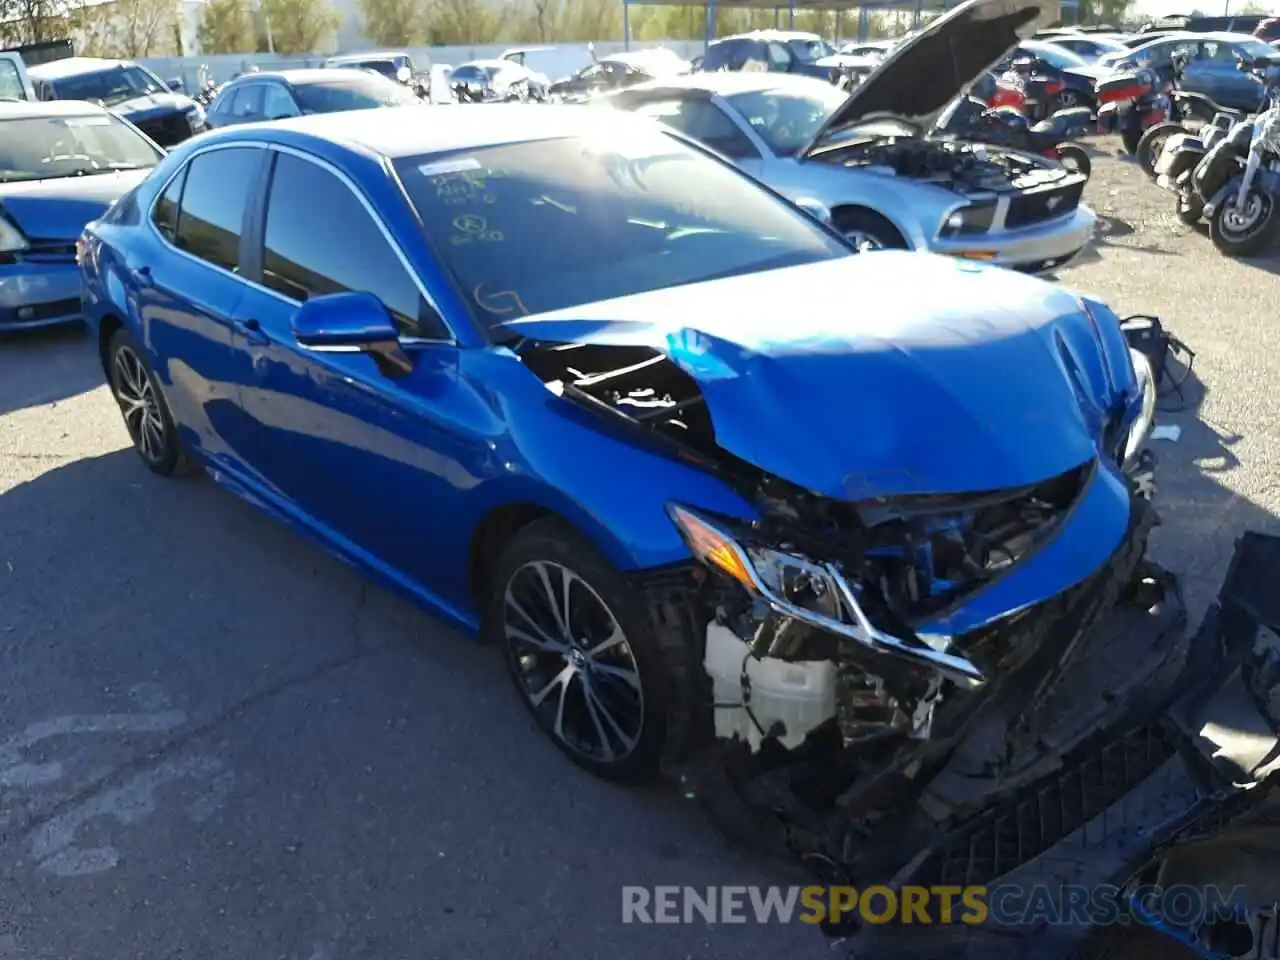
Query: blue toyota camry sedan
(703,472)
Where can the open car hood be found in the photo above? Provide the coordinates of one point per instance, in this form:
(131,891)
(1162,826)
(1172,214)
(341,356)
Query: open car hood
(925,72)
(968,379)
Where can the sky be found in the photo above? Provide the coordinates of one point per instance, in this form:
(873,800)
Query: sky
(1163,8)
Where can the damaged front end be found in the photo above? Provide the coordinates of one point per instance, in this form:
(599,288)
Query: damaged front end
(854,647)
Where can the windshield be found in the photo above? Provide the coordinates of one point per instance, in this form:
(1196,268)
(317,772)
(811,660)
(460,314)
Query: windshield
(786,120)
(470,73)
(810,49)
(109,87)
(357,92)
(531,227)
(1059,57)
(46,148)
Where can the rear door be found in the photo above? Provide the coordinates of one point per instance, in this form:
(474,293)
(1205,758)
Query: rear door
(15,84)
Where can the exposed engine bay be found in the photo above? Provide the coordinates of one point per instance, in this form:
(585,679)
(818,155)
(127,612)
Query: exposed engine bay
(955,164)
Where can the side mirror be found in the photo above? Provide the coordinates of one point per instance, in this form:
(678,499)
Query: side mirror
(352,323)
(404,74)
(175,84)
(815,208)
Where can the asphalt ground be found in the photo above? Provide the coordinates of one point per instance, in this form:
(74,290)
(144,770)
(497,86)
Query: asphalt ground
(216,741)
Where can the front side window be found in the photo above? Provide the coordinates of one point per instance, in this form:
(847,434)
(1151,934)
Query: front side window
(785,120)
(109,87)
(214,199)
(530,227)
(320,239)
(46,148)
(810,50)
(356,92)
(277,102)
(779,58)
(246,103)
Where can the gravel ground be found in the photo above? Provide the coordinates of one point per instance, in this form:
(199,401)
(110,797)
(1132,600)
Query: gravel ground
(215,741)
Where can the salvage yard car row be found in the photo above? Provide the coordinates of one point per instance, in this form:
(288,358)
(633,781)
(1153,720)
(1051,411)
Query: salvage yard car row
(740,494)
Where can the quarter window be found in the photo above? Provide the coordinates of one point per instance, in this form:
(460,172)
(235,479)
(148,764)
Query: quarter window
(11,81)
(320,239)
(165,212)
(218,185)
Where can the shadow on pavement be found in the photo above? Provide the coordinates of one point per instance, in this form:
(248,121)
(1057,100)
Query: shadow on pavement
(45,366)
(311,762)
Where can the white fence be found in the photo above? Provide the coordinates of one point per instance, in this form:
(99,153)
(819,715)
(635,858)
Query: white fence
(555,61)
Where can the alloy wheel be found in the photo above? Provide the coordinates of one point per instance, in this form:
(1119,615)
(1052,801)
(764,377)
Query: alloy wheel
(139,404)
(1243,221)
(574,663)
(864,241)
(1068,99)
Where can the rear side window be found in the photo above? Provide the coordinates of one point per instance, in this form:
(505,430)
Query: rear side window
(211,214)
(321,239)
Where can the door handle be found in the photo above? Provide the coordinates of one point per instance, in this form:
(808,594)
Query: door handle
(141,276)
(253,333)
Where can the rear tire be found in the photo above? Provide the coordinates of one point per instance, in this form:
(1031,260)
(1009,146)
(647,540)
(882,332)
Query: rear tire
(1244,233)
(868,230)
(1130,138)
(1075,158)
(143,407)
(582,653)
(1147,152)
(1189,210)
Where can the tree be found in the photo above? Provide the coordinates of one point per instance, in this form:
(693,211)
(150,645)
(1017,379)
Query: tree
(300,26)
(126,29)
(464,22)
(226,26)
(31,21)
(393,23)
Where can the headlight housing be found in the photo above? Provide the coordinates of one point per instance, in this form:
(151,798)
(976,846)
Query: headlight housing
(11,238)
(971,220)
(806,590)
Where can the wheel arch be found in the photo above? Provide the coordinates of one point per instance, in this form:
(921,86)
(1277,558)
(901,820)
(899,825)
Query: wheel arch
(108,324)
(909,237)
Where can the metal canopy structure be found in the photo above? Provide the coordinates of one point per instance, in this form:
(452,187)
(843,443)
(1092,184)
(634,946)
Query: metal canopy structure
(785,16)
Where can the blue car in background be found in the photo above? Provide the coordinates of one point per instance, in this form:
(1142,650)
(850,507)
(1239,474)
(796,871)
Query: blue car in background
(61,165)
(580,386)
(129,89)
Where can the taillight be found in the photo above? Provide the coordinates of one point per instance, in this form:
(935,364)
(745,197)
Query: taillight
(1054,86)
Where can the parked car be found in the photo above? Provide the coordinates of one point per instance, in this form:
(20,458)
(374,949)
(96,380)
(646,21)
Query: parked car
(617,71)
(1212,65)
(276,95)
(129,89)
(395,65)
(489,80)
(577,385)
(885,182)
(62,164)
(784,51)
(1089,47)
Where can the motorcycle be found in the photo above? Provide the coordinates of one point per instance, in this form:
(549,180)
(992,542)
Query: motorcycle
(1231,177)
(1131,102)
(1028,86)
(971,119)
(1180,108)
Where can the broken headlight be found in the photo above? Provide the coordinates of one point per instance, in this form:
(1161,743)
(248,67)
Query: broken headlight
(812,592)
(1140,429)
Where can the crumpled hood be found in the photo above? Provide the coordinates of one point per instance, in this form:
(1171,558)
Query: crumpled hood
(59,209)
(141,109)
(966,378)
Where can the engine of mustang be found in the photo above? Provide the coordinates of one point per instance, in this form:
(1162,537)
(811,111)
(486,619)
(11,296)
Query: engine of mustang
(810,612)
(955,164)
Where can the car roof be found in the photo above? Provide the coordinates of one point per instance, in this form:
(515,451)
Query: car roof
(73,67)
(726,83)
(499,63)
(24,109)
(300,77)
(416,130)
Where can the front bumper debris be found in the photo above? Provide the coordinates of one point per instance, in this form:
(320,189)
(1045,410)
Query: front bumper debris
(1181,760)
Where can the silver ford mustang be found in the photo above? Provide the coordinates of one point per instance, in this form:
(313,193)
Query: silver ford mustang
(869,157)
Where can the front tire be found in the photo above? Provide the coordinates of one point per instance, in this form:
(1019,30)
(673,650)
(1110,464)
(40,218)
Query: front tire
(868,230)
(1130,137)
(581,652)
(1189,210)
(1244,232)
(1075,158)
(1151,143)
(142,405)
